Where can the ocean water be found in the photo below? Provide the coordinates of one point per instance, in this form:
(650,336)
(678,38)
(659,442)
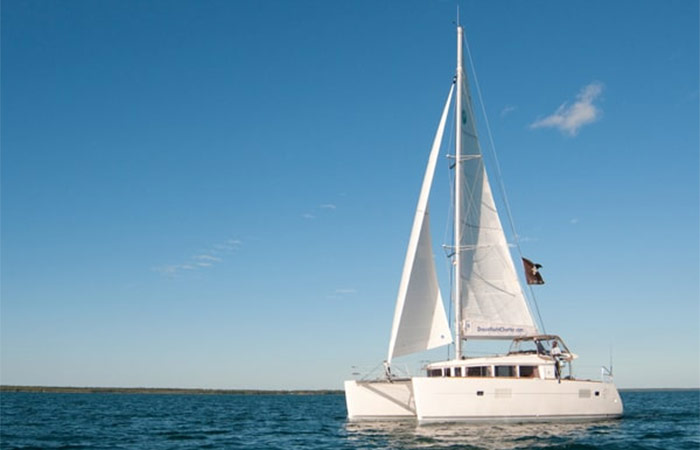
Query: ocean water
(652,420)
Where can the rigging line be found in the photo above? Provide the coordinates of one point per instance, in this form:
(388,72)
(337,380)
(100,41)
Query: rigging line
(501,185)
(373,370)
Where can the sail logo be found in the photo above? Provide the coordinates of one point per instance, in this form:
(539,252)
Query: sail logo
(499,330)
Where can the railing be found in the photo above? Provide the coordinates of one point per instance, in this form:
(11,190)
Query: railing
(378,372)
(592,373)
(606,374)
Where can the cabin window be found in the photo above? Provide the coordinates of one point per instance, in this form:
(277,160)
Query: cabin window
(481,371)
(458,371)
(435,372)
(448,372)
(505,371)
(528,372)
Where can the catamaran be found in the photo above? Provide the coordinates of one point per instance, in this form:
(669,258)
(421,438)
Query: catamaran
(529,382)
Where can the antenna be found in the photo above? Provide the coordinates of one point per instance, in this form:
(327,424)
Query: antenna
(611,359)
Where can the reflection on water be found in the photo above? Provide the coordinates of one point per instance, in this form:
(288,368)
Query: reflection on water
(406,434)
(510,436)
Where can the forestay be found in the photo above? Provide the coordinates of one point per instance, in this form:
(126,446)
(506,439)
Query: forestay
(420,322)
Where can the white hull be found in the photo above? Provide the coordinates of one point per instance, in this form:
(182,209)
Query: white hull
(482,400)
(379,400)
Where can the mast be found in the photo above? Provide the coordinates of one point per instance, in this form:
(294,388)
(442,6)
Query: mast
(458,200)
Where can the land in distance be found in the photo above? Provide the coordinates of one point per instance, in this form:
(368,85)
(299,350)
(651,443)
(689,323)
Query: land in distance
(139,390)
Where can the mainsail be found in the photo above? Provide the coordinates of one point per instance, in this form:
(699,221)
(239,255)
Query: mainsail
(492,301)
(420,322)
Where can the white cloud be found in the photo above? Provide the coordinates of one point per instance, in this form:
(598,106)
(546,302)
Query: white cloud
(327,206)
(570,118)
(507,110)
(308,216)
(574,221)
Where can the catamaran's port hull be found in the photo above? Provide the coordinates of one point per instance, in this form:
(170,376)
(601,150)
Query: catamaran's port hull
(433,400)
(379,400)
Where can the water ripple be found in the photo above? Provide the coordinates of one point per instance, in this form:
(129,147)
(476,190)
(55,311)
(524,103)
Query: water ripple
(653,420)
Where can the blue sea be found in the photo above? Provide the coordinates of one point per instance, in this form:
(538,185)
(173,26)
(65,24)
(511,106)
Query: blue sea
(652,420)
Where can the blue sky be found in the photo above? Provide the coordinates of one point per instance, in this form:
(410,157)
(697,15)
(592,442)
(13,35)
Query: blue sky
(219,194)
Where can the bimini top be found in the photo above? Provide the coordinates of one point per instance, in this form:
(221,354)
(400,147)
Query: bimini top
(539,337)
(540,344)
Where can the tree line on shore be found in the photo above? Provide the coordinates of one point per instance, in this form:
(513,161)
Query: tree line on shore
(140,390)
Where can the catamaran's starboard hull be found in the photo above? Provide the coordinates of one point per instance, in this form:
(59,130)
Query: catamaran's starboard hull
(432,400)
(379,400)
(513,400)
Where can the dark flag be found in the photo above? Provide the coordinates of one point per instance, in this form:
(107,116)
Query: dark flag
(532,272)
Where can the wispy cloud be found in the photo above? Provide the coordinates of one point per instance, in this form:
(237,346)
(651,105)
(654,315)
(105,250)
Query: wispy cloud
(322,207)
(345,291)
(203,259)
(526,239)
(507,110)
(228,245)
(341,293)
(170,270)
(206,257)
(569,118)
(574,221)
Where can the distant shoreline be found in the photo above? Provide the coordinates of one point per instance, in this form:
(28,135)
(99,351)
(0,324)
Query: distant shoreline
(172,391)
(658,389)
(191,391)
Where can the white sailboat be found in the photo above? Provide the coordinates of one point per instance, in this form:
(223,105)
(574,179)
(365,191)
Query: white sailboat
(526,384)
